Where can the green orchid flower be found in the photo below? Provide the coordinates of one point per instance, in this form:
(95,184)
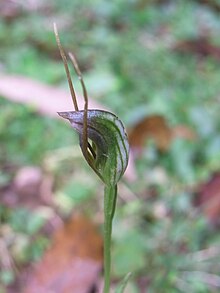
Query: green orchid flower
(104,144)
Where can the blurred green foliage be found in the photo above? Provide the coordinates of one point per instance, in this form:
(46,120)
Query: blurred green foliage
(22,131)
(126,51)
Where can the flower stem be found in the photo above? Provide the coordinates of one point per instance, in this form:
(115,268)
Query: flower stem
(110,197)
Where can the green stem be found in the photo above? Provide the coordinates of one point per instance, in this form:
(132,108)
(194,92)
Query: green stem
(109,210)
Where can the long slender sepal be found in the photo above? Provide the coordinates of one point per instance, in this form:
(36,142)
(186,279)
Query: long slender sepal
(63,55)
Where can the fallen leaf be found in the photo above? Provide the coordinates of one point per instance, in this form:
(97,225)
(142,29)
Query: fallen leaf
(201,47)
(155,127)
(45,98)
(152,127)
(73,262)
(208,198)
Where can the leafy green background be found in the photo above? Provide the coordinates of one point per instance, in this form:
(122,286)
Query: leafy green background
(126,52)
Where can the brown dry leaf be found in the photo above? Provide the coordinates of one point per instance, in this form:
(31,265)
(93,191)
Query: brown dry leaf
(201,47)
(73,262)
(152,127)
(208,197)
(155,127)
(47,99)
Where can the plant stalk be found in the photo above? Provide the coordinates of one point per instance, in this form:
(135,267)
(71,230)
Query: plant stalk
(110,196)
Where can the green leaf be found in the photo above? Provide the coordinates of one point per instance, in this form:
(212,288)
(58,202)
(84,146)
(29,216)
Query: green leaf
(123,284)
